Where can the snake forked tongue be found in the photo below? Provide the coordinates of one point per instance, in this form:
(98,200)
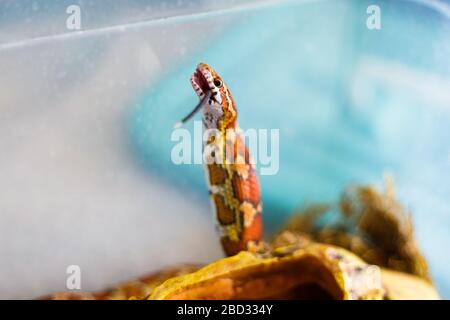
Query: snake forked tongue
(200,105)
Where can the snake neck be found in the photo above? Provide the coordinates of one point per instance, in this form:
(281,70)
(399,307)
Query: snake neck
(234,191)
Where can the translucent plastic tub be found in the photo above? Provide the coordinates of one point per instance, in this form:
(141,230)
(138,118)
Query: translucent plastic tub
(86,117)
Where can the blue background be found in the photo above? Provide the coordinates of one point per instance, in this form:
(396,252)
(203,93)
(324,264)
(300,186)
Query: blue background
(350,103)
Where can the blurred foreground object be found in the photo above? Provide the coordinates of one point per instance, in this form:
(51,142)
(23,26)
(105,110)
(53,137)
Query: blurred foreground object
(369,253)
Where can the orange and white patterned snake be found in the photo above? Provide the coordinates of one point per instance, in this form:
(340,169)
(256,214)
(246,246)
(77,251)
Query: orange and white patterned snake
(231,175)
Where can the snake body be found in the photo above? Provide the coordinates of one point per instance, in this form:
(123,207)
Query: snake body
(230,174)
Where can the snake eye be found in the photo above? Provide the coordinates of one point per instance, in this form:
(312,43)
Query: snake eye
(218,83)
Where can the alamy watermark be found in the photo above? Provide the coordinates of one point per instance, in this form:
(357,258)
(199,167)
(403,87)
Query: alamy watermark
(263,146)
(73,21)
(73,281)
(373,21)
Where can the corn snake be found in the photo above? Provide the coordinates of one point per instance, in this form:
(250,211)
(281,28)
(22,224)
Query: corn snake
(230,173)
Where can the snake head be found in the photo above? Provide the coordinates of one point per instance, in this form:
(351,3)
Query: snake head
(219,110)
